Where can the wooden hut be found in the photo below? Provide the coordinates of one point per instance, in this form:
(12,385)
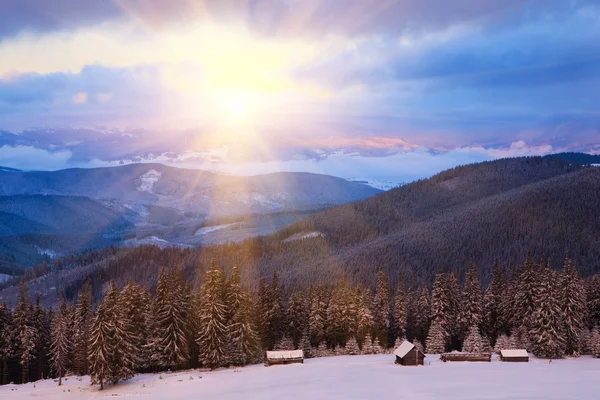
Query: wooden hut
(283,357)
(408,354)
(516,355)
(486,357)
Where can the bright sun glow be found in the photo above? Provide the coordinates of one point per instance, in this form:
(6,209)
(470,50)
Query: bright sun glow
(237,106)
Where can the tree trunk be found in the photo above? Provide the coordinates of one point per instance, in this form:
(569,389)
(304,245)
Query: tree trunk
(101,384)
(59,379)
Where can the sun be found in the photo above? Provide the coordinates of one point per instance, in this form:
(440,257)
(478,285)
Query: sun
(237,106)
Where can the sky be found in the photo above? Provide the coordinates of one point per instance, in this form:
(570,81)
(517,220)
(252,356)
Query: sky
(386,89)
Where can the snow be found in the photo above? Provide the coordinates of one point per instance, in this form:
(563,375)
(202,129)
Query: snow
(514,353)
(148,180)
(300,236)
(404,348)
(208,229)
(284,354)
(4,277)
(346,377)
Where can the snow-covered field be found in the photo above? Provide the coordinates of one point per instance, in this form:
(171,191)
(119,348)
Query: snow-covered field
(347,377)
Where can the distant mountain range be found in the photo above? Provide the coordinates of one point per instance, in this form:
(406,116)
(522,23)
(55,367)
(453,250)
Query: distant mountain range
(49,213)
(476,213)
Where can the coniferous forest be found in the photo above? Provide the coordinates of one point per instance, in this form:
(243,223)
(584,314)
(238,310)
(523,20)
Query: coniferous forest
(220,322)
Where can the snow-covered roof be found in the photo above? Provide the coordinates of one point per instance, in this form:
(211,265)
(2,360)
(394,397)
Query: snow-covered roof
(404,348)
(284,354)
(514,353)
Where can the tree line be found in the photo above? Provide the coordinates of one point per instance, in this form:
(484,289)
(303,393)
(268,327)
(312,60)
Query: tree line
(220,322)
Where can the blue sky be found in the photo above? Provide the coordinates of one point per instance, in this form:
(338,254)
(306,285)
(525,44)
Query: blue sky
(394,88)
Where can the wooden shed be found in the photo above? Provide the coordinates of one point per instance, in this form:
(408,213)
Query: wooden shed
(408,354)
(516,355)
(283,357)
(486,357)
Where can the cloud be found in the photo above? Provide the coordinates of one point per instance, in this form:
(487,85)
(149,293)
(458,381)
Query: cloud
(32,158)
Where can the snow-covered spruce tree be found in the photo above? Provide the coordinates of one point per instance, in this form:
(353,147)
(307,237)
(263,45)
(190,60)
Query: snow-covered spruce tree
(61,342)
(364,318)
(474,342)
(134,303)
(169,340)
(322,350)
(573,306)
(297,316)
(546,331)
(472,310)
(123,356)
(493,299)
(25,333)
(523,300)
(6,341)
(377,349)
(276,315)
(341,315)
(584,340)
(502,343)
(593,300)
(398,342)
(381,308)
(285,343)
(83,326)
(594,343)
(422,313)
(41,323)
(262,310)
(440,303)
(243,342)
(305,346)
(317,314)
(437,338)
(418,345)
(352,347)
(340,351)
(101,344)
(455,300)
(212,319)
(400,309)
(367,346)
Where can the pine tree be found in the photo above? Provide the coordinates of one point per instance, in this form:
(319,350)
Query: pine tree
(377,349)
(493,302)
(285,343)
(41,323)
(169,338)
(437,338)
(364,317)
(422,314)
(367,346)
(352,347)
(381,308)
(502,343)
(317,315)
(474,342)
(398,342)
(61,342)
(275,313)
(212,319)
(83,326)
(6,341)
(297,316)
(322,350)
(341,319)
(400,309)
(305,345)
(594,344)
(546,327)
(25,333)
(472,311)
(418,345)
(573,305)
(523,300)
(101,343)
(134,303)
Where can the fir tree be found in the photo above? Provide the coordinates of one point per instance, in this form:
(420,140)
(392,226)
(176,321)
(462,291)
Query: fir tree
(41,323)
(317,316)
(134,303)
(546,327)
(341,315)
(400,310)
(594,344)
(523,300)
(422,314)
(297,316)
(437,338)
(502,343)
(493,302)
(212,319)
(381,308)
(418,345)
(101,342)
(474,342)
(367,346)
(169,338)
(472,311)
(83,326)
(61,342)
(322,350)
(364,318)
(573,307)
(25,332)
(377,349)
(285,343)
(6,341)
(352,347)
(305,345)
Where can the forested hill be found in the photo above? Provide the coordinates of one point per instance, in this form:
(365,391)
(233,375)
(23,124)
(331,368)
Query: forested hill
(499,209)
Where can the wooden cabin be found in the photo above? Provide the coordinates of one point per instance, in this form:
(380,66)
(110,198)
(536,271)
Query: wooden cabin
(516,355)
(485,357)
(283,357)
(408,354)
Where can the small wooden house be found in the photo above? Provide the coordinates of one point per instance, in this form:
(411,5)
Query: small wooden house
(408,354)
(283,357)
(485,357)
(517,355)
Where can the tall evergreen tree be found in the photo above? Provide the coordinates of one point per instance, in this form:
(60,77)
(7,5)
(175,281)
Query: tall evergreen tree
(364,317)
(83,326)
(134,303)
(523,296)
(474,342)
(212,320)
(297,316)
(546,327)
(6,341)
(25,332)
(493,300)
(437,338)
(472,310)
(400,314)
(41,323)
(275,317)
(61,342)
(381,308)
(572,299)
